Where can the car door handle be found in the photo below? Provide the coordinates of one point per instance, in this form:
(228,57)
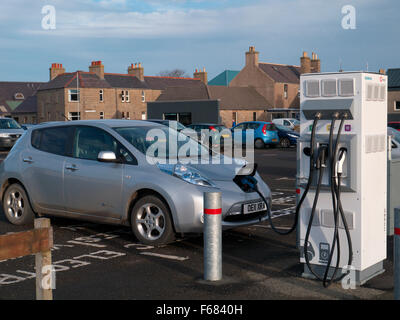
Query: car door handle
(28,160)
(71,167)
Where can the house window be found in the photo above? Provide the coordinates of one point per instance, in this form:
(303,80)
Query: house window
(144,115)
(101,114)
(234,118)
(127,115)
(123,115)
(101,96)
(254,116)
(397,105)
(73,95)
(49,116)
(74,116)
(125,96)
(143,96)
(19,96)
(285,91)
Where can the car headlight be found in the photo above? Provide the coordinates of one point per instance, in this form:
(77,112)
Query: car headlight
(293,136)
(4,135)
(187,174)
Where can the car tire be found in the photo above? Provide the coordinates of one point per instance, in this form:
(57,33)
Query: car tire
(16,205)
(284,143)
(151,221)
(259,144)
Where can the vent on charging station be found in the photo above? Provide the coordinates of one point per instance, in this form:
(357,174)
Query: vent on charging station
(346,87)
(329,88)
(312,88)
(376,92)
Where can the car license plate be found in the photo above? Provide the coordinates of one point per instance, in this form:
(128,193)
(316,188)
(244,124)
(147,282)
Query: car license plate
(274,140)
(254,207)
(225,135)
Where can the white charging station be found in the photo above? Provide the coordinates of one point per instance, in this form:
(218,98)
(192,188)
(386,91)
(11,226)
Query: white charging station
(360,100)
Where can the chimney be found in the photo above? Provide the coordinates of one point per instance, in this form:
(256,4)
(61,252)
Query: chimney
(305,63)
(315,63)
(98,68)
(202,75)
(382,71)
(55,70)
(252,57)
(137,70)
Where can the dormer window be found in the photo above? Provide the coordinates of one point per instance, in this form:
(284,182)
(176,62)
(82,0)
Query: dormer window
(19,96)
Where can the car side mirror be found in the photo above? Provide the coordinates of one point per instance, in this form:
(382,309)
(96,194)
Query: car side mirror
(107,156)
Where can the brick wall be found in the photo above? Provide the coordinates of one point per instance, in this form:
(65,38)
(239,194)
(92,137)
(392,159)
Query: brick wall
(242,116)
(392,97)
(52,104)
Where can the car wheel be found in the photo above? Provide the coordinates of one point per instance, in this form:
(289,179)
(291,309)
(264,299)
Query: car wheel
(151,221)
(284,143)
(259,144)
(16,206)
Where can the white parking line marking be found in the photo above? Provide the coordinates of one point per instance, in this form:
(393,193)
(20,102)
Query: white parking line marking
(166,256)
(88,244)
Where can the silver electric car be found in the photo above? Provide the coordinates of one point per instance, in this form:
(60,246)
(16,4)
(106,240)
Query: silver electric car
(101,171)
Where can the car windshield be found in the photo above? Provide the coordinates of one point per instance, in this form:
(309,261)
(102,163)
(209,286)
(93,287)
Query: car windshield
(295,122)
(9,124)
(283,128)
(142,138)
(394,133)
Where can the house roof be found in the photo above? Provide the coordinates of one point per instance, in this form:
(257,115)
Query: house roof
(114,80)
(27,106)
(231,98)
(281,73)
(224,78)
(393,78)
(8,89)
(238,98)
(186,93)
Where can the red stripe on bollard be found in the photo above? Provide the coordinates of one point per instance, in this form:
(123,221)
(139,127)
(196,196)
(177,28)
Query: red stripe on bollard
(213,211)
(397,231)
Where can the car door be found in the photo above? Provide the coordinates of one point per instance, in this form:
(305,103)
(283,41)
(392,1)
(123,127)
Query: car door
(42,166)
(92,187)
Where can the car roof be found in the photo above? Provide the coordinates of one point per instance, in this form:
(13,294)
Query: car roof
(206,124)
(112,123)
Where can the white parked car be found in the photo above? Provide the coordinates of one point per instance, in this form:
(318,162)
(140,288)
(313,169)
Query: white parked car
(287,122)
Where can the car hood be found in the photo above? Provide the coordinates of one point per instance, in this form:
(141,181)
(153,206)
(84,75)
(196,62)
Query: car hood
(223,171)
(12,131)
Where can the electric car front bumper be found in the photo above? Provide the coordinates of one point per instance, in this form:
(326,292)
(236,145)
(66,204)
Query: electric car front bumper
(233,199)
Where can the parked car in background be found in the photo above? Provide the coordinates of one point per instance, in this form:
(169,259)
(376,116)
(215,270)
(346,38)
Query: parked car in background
(394,125)
(287,136)
(217,133)
(291,123)
(100,171)
(265,133)
(10,132)
(171,123)
(26,126)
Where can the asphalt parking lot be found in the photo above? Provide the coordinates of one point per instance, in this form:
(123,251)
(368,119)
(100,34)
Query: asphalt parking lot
(106,262)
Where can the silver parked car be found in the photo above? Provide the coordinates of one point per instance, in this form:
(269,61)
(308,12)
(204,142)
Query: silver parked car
(98,171)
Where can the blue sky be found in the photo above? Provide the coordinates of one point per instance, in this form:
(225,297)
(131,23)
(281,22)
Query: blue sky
(190,34)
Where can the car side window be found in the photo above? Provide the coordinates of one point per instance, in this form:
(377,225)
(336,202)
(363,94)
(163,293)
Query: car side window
(90,141)
(286,123)
(240,126)
(54,140)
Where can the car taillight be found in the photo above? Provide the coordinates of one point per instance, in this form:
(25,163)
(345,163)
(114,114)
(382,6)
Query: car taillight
(264,129)
(212,128)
